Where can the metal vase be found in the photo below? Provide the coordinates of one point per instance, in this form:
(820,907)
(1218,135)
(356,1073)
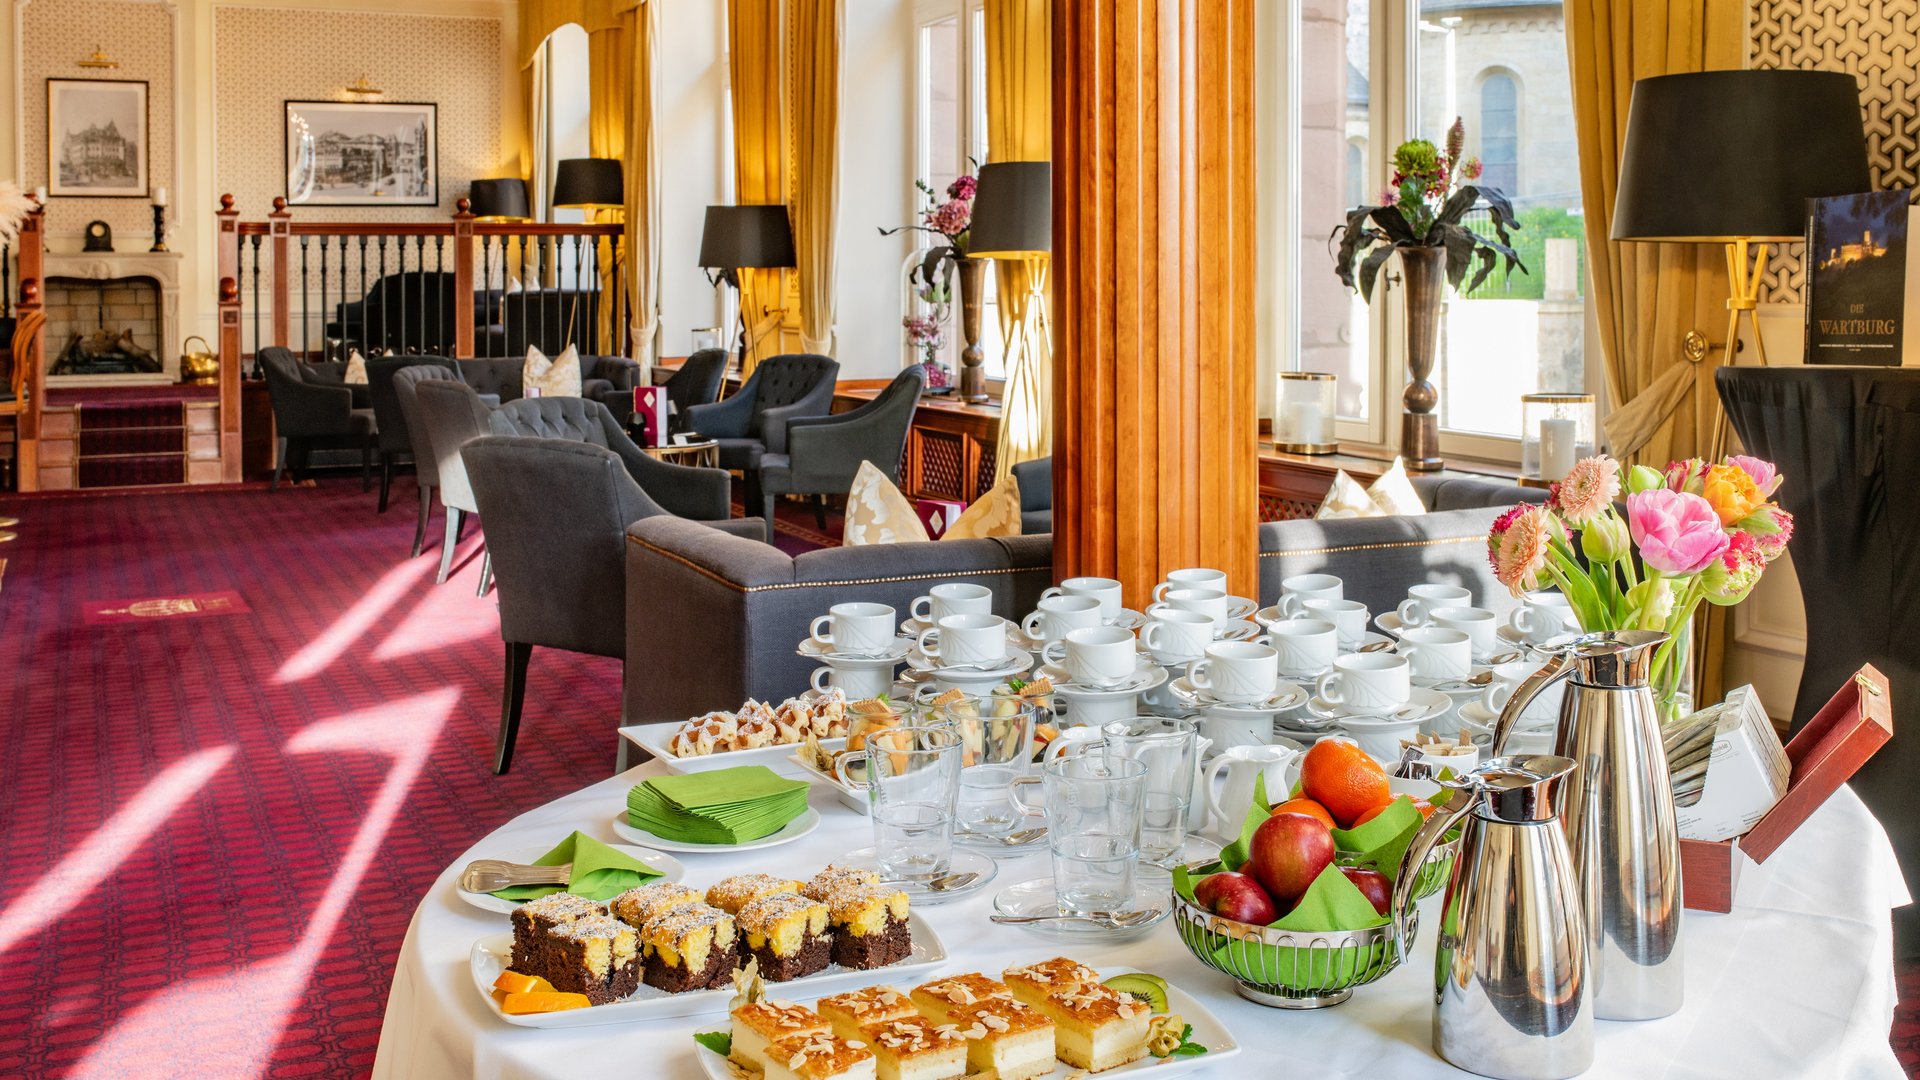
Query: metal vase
(1425,271)
(1619,818)
(973,289)
(1511,990)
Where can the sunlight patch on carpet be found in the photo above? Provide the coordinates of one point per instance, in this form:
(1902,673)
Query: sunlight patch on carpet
(367,612)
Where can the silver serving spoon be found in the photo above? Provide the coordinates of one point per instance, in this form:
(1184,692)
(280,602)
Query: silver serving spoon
(492,875)
(1110,920)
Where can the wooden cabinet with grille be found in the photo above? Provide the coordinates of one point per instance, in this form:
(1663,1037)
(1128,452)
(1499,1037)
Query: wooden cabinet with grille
(950,450)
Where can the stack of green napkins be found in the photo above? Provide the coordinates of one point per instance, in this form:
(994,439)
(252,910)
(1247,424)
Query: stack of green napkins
(599,872)
(723,806)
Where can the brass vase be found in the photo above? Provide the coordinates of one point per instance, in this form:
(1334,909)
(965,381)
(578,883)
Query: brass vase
(973,373)
(1425,272)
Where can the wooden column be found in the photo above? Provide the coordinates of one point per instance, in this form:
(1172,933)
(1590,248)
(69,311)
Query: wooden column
(279,232)
(1155,461)
(227,274)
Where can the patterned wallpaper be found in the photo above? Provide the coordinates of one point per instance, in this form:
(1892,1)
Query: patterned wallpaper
(1878,41)
(137,33)
(262,57)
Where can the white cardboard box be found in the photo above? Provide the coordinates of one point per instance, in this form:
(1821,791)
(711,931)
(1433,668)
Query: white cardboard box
(1747,772)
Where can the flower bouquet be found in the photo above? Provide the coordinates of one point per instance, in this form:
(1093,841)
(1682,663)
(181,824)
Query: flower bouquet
(1693,532)
(924,334)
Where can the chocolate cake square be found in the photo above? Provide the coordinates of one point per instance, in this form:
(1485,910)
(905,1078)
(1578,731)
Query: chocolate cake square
(787,933)
(836,877)
(693,947)
(869,924)
(636,907)
(732,894)
(598,956)
(534,919)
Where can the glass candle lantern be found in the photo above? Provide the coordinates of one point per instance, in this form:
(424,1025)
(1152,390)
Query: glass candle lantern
(1304,413)
(1556,430)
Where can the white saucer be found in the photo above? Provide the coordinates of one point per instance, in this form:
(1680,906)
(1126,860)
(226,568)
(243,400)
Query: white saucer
(808,821)
(911,627)
(1038,897)
(1452,686)
(1128,619)
(668,867)
(1144,678)
(1285,696)
(1237,630)
(895,653)
(961,861)
(1390,622)
(1239,607)
(1521,641)
(1366,640)
(1421,705)
(1016,661)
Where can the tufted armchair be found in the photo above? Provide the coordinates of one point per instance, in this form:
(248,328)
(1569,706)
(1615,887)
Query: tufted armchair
(394,439)
(753,422)
(824,453)
(1035,480)
(692,493)
(696,383)
(454,415)
(307,414)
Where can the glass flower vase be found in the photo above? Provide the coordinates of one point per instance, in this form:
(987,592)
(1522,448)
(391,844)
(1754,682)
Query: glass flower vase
(1672,679)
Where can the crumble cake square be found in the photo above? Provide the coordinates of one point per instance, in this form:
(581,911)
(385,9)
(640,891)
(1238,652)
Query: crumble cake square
(787,933)
(763,1023)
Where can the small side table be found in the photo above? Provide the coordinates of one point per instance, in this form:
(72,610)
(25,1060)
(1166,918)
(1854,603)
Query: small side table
(700,454)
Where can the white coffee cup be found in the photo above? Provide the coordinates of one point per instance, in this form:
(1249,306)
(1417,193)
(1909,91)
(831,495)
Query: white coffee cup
(1193,577)
(1436,652)
(952,598)
(1095,655)
(1301,588)
(1542,616)
(1176,635)
(1363,681)
(1057,615)
(858,683)
(1073,739)
(967,638)
(857,628)
(1212,603)
(1105,590)
(1349,617)
(1418,607)
(1306,646)
(1480,625)
(1380,736)
(1507,677)
(1236,671)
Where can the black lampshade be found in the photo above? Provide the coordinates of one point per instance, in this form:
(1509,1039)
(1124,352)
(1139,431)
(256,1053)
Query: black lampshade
(1716,155)
(740,236)
(500,200)
(589,184)
(1013,210)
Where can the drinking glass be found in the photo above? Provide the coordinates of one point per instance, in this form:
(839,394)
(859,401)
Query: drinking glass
(1169,750)
(1093,802)
(996,748)
(912,781)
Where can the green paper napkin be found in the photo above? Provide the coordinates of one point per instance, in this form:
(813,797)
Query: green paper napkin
(720,807)
(1331,903)
(599,872)
(1380,842)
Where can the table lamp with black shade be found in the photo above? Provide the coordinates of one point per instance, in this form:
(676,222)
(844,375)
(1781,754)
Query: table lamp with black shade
(503,199)
(1732,157)
(1012,219)
(590,184)
(740,238)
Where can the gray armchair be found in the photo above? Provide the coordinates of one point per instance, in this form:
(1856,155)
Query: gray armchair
(454,416)
(696,383)
(696,494)
(753,422)
(394,437)
(426,467)
(824,453)
(557,511)
(1035,480)
(308,415)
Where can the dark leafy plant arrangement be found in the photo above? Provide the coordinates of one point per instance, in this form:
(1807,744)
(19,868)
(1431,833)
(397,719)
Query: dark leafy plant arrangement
(1424,208)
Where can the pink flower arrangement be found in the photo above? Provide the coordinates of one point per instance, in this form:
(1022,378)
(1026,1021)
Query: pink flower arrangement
(963,187)
(1677,532)
(1588,491)
(950,218)
(1518,547)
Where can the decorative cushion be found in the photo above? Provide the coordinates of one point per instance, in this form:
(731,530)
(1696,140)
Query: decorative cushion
(877,513)
(1347,499)
(559,377)
(1393,493)
(356,373)
(997,513)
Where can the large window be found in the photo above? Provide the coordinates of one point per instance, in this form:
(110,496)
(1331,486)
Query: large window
(952,138)
(1362,75)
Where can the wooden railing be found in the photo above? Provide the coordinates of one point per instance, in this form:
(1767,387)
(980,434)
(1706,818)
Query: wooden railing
(457,287)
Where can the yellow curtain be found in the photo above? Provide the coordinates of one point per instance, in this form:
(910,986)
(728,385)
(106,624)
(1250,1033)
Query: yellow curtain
(610,78)
(1020,128)
(642,248)
(1646,296)
(759,156)
(813,65)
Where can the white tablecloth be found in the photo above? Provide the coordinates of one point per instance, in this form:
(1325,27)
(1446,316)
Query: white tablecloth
(1797,981)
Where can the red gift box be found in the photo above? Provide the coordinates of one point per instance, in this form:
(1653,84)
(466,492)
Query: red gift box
(1847,730)
(650,415)
(938,515)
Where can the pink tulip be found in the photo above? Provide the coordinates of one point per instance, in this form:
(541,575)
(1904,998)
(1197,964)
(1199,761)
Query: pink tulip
(1676,532)
(1766,475)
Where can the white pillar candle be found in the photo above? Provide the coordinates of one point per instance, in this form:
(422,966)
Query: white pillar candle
(159,196)
(1304,423)
(41,193)
(1557,448)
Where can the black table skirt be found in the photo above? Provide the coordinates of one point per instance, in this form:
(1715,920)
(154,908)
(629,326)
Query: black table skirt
(1847,440)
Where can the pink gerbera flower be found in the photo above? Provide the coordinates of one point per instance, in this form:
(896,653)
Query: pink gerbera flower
(1589,489)
(1518,547)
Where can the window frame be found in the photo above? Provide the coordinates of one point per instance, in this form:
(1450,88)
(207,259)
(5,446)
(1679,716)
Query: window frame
(1393,108)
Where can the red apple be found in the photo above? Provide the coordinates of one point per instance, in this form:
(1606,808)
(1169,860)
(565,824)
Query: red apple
(1288,852)
(1373,885)
(1237,897)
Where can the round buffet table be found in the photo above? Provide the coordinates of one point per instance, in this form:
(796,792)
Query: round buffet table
(1797,981)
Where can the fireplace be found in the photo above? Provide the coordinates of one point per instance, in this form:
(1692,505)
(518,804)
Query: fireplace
(112,318)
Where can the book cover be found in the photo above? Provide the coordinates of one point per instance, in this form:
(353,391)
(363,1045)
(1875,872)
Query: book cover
(1860,288)
(650,415)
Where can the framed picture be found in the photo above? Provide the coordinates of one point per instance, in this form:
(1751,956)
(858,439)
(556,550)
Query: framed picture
(97,138)
(362,154)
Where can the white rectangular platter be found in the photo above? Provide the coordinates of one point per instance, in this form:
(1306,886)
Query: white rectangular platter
(1208,1031)
(490,954)
(653,738)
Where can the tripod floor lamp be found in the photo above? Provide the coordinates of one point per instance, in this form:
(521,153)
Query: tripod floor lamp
(740,238)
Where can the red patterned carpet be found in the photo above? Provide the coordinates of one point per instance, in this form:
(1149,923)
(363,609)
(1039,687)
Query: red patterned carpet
(218,824)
